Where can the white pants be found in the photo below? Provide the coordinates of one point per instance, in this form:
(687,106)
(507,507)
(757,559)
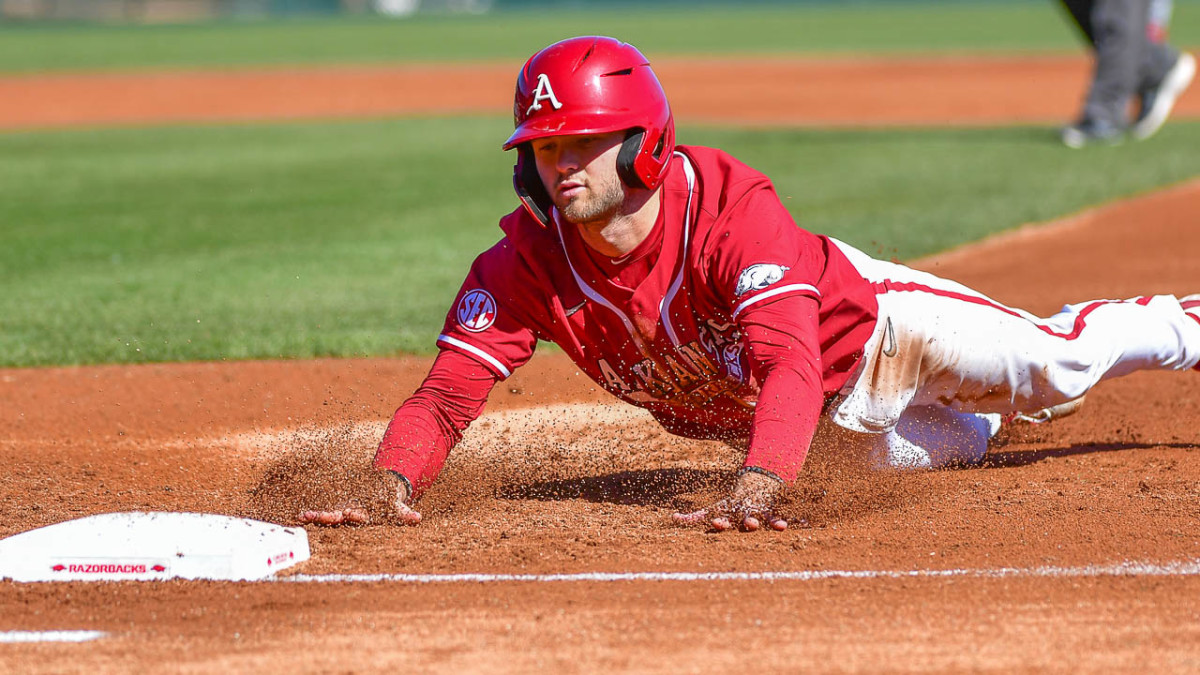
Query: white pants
(945,361)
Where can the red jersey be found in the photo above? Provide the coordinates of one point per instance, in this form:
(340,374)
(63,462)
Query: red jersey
(726,295)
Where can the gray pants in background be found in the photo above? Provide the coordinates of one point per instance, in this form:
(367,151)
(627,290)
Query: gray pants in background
(1128,62)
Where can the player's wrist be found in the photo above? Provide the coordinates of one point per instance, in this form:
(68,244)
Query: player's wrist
(404,488)
(762,472)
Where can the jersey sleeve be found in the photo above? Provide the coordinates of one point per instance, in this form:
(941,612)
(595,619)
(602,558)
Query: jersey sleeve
(781,338)
(431,422)
(759,255)
(765,271)
(495,317)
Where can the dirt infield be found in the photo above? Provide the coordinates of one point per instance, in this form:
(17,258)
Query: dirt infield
(835,91)
(556,481)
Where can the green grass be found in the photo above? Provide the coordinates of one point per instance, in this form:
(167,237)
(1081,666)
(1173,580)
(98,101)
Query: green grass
(906,194)
(352,238)
(512,36)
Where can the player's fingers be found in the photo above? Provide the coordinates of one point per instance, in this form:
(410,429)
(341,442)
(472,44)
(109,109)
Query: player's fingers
(693,518)
(322,517)
(721,524)
(407,515)
(756,518)
(355,516)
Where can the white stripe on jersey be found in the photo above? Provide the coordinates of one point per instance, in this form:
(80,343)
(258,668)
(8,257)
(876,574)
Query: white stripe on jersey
(665,305)
(477,352)
(772,293)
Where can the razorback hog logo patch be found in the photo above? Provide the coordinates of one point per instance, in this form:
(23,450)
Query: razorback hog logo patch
(758,277)
(543,92)
(476,310)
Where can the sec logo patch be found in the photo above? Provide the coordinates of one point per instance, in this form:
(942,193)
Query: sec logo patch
(476,310)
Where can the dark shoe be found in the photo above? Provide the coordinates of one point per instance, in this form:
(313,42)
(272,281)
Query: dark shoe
(1158,101)
(1092,132)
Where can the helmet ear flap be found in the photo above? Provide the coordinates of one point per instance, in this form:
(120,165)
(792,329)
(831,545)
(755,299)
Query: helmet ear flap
(627,157)
(642,166)
(528,185)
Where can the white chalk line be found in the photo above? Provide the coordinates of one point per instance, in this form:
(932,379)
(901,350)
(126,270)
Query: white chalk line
(15,636)
(1126,569)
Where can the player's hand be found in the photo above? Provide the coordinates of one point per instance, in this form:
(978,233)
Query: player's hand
(400,512)
(751,507)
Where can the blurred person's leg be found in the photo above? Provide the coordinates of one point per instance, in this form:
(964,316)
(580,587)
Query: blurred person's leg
(1081,12)
(1117,32)
(1164,73)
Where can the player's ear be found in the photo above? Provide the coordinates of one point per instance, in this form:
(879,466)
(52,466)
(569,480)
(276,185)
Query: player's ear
(528,184)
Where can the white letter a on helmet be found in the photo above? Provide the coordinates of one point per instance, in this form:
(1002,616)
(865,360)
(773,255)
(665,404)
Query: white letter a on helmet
(543,92)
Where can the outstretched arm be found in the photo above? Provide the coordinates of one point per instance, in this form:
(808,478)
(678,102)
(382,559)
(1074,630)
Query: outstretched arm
(782,341)
(419,437)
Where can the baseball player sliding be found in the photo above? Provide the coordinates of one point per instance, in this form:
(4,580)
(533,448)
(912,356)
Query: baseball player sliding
(674,277)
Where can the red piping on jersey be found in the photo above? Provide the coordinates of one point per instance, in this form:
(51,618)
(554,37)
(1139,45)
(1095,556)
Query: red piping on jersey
(1187,307)
(1193,317)
(1076,329)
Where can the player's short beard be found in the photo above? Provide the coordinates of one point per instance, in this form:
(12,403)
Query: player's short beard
(606,200)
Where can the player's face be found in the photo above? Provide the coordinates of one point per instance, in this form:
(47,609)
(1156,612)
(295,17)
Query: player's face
(580,173)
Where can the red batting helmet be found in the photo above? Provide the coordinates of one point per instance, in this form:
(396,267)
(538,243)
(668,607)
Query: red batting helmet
(592,85)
